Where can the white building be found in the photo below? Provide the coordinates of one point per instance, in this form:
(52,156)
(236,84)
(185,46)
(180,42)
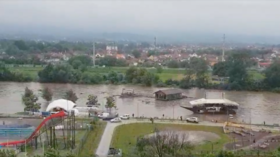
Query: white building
(111,48)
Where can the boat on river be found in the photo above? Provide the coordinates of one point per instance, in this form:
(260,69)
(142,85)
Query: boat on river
(212,106)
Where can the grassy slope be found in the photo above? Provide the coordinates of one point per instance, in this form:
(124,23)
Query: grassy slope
(93,140)
(125,135)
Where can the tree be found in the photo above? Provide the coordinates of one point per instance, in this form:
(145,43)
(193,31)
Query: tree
(196,74)
(130,74)
(77,61)
(220,69)
(70,95)
(173,64)
(20,44)
(151,53)
(272,74)
(47,94)
(159,69)
(29,99)
(110,103)
(237,73)
(113,77)
(136,53)
(5,74)
(61,73)
(142,76)
(164,144)
(92,100)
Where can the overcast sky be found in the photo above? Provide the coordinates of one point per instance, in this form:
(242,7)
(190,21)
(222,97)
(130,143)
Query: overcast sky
(247,17)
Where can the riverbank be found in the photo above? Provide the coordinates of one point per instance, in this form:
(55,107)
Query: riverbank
(170,73)
(163,77)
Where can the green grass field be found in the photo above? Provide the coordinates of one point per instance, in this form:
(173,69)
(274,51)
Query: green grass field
(93,140)
(256,75)
(125,135)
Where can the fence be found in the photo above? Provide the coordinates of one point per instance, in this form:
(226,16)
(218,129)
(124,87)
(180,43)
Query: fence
(222,154)
(82,141)
(241,153)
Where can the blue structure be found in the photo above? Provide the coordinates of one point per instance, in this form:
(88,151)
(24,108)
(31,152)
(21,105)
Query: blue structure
(15,130)
(16,126)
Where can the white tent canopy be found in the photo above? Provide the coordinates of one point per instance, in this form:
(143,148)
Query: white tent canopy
(204,101)
(64,104)
(76,111)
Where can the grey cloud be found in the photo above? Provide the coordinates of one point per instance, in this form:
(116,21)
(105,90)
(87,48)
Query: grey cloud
(229,16)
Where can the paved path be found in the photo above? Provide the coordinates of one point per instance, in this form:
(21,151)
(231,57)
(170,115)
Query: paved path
(105,142)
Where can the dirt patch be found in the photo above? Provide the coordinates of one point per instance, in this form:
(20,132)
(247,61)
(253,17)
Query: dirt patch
(193,137)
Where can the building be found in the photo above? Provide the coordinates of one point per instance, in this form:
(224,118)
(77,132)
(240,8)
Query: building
(264,64)
(168,94)
(111,48)
(211,106)
(120,56)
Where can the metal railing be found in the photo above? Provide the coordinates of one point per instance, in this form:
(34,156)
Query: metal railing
(82,141)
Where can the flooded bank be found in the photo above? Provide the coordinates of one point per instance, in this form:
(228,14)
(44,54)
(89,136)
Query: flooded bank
(255,107)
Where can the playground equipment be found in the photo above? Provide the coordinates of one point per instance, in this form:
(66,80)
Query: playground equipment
(47,128)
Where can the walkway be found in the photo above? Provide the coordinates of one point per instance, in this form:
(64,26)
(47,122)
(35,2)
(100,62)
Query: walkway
(105,142)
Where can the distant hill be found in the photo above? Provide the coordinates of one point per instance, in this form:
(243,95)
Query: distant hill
(53,34)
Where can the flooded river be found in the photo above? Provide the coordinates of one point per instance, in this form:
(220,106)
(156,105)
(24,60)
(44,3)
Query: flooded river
(256,107)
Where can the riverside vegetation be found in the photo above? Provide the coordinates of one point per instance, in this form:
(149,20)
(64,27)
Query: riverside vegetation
(234,72)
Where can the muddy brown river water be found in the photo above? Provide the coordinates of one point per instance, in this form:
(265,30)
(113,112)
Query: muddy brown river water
(256,107)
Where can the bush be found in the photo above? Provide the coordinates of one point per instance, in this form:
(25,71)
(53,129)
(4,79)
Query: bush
(160,84)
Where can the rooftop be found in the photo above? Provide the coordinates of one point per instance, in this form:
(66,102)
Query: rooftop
(213,101)
(170,91)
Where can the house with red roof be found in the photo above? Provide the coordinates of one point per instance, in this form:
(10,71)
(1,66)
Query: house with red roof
(264,64)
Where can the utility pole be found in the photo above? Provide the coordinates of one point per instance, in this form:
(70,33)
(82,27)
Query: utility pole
(93,54)
(155,42)
(173,111)
(223,55)
(138,110)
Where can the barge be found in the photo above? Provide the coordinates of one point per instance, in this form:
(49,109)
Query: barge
(212,106)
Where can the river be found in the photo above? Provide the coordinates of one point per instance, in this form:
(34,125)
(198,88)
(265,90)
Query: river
(255,107)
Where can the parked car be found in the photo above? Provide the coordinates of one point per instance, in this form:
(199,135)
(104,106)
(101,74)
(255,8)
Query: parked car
(116,120)
(192,120)
(113,152)
(103,115)
(125,116)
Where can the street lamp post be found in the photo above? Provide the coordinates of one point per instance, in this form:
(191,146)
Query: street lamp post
(25,149)
(250,125)
(43,148)
(138,110)
(173,111)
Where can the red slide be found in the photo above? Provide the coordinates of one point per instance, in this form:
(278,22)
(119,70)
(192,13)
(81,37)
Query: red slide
(60,114)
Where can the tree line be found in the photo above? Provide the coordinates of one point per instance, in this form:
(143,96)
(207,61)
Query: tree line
(8,75)
(233,72)
(30,99)
(76,71)
(236,69)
